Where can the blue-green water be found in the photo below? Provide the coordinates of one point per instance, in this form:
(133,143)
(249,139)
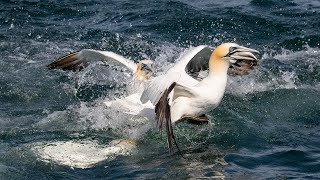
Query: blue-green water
(267,127)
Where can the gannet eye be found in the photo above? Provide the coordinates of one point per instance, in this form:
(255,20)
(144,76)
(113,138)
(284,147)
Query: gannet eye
(232,49)
(146,68)
(143,66)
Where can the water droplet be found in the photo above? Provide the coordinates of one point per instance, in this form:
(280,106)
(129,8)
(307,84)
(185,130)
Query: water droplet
(11,26)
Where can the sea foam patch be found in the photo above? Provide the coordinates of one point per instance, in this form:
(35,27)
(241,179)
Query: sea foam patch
(82,154)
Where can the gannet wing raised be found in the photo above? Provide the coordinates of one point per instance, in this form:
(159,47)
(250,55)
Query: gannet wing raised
(79,60)
(184,72)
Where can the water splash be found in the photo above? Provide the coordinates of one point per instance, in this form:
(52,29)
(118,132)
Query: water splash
(284,70)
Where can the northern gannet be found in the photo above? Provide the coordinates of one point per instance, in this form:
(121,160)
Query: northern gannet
(76,61)
(183,93)
(142,72)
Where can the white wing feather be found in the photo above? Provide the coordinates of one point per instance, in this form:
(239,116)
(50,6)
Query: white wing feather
(78,60)
(108,57)
(156,87)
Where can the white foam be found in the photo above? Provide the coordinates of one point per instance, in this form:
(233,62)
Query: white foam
(81,154)
(96,117)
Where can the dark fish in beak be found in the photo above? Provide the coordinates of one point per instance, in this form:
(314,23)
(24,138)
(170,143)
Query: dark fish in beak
(242,60)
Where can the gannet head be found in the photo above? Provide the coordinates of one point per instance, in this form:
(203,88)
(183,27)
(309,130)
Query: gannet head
(145,70)
(232,53)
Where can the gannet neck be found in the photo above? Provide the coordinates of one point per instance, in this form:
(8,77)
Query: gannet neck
(139,67)
(218,66)
(139,75)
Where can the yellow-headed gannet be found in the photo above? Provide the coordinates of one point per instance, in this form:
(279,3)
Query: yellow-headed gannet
(183,93)
(76,61)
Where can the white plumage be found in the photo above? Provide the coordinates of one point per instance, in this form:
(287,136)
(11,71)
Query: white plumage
(191,88)
(79,60)
(197,59)
(180,95)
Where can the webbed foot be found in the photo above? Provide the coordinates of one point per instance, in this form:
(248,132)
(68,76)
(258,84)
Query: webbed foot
(196,120)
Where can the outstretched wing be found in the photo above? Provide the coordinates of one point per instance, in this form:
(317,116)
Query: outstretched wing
(81,59)
(185,72)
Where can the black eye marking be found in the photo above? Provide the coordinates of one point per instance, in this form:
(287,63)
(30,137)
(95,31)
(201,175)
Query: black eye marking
(232,49)
(146,68)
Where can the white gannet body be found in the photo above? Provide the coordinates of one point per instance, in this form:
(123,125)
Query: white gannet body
(191,98)
(133,105)
(196,59)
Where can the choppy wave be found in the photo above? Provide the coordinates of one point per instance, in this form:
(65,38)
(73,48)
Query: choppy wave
(265,120)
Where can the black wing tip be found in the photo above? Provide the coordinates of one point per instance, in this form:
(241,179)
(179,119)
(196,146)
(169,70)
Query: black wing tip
(67,62)
(52,66)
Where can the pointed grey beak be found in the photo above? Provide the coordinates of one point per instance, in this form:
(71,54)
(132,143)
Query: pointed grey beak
(245,49)
(243,53)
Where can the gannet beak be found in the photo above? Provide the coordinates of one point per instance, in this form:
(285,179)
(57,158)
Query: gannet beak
(242,53)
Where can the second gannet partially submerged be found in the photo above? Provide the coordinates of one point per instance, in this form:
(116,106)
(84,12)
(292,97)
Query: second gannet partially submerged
(184,94)
(142,72)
